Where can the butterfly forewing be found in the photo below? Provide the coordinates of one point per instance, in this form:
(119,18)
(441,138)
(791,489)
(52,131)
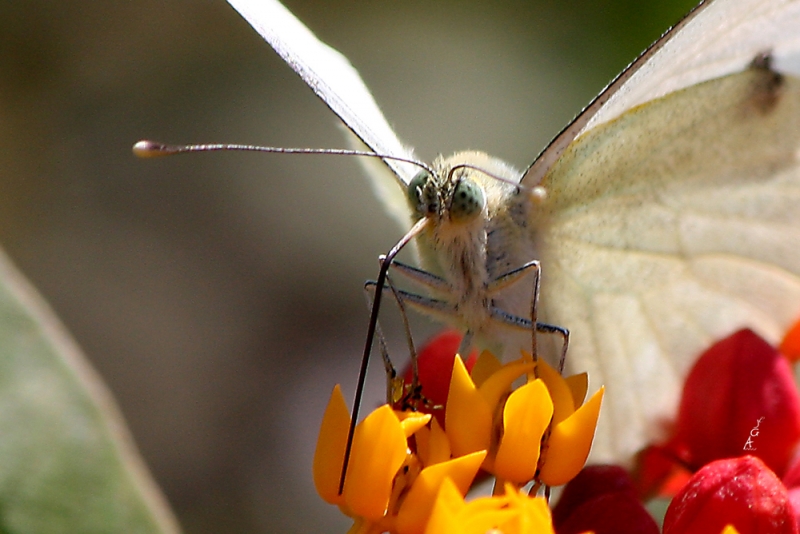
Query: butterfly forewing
(330,75)
(722,37)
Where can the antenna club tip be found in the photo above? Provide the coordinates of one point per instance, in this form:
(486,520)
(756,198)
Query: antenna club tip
(152,149)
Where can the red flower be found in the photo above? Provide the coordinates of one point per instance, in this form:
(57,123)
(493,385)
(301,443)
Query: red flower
(741,492)
(740,398)
(602,499)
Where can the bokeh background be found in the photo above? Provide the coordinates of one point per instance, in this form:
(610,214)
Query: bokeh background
(219,295)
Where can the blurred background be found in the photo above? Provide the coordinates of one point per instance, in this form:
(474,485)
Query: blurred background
(220,295)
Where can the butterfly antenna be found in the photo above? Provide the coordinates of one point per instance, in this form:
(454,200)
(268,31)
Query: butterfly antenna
(154,149)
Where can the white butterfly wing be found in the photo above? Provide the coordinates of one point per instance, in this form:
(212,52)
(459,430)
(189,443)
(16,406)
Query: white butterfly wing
(331,76)
(667,228)
(717,38)
(722,38)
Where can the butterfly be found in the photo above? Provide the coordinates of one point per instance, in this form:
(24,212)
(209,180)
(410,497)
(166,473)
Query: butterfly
(664,216)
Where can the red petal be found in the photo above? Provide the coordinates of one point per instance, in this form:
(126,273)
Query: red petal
(794,499)
(742,492)
(601,499)
(740,389)
(791,479)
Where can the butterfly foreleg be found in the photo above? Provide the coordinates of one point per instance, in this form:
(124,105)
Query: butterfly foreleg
(447,312)
(394,385)
(424,278)
(398,393)
(438,309)
(507,279)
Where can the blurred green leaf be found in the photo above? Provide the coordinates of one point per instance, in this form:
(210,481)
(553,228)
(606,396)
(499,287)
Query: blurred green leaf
(67,463)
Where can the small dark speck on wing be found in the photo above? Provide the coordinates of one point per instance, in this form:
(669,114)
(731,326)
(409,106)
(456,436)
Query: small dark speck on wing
(767,88)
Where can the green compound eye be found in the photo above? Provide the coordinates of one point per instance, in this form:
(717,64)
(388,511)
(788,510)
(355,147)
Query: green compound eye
(468,201)
(415,189)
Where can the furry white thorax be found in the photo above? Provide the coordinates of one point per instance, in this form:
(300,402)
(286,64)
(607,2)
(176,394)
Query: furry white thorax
(470,254)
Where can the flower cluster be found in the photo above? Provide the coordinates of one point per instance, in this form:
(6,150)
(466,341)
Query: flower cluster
(731,460)
(407,473)
(730,466)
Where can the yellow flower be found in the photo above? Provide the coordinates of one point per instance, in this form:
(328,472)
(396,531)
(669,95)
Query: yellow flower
(331,444)
(387,487)
(512,513)
(572,430)
(378,452)
(406,475)
(513,426)
(418,503)
(526,416)
(471,409)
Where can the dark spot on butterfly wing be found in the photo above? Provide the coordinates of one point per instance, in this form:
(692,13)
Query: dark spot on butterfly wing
(767,87)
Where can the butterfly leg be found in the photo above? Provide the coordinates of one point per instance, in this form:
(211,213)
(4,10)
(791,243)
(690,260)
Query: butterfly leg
(409,396)
(396,391)
(394,386)
(514,321)
(421,277)
(521,323)
(439,309)
(445,311)
(429,305)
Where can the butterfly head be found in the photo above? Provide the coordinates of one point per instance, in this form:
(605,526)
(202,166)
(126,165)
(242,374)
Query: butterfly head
(449,194)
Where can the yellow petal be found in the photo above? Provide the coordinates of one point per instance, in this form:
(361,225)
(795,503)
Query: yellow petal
(447,508)
(570,442)
(418,504)
(495,519)
(329,455)
(730,529)
(451,514)
(578,386)
(412,421)
(524,514)
(422,438)
(526,416)
(484,367)
(432,444)
(563,402)
(468,420)
(379,448)
(499,383)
